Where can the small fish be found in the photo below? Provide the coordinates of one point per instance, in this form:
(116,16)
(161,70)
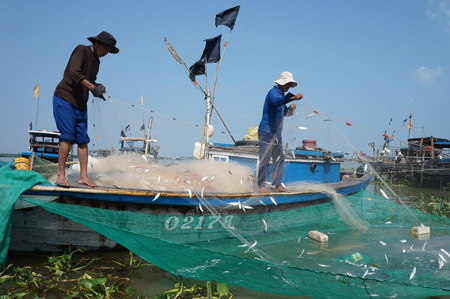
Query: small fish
(365,273)
(383,243)
(233,203)
(403,241)
(301,254)
(190,193)
(156,196)
(384,194)
(243,245)
(243,208)
(392,296)
(387,260)
(273,200)
(441,263)
(200,207)
(303,128)
(159,179)
(203,192)
(299,239)
(262,202)
(239,204)
(349,274)
(248,207)
(424,246)
(388,222)
(187,182)
(412,273)
(251,246)
(442,257)
(325,266)
(265,225)
(211,179)
(412,246)
(445,251)
(204,178)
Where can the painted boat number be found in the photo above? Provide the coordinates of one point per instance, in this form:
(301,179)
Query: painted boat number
(197,223)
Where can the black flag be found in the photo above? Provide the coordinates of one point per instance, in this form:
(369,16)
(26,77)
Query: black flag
(197,68)
(212,49)
(122,134)
(227,17)
(127,128)
(31,126)
(143,127)
(211,54)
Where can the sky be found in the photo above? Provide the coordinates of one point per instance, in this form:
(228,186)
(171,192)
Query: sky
(359,64)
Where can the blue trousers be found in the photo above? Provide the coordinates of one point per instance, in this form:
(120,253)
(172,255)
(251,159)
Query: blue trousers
(270,147)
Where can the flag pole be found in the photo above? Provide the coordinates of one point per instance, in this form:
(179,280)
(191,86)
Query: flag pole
(218,67)
(36,95)
(37,113)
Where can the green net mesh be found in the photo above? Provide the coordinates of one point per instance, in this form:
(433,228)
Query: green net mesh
(12,184)
(283,260)
(271,251)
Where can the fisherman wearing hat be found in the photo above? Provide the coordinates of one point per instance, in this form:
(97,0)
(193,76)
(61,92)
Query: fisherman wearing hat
(270,127)
(70,101)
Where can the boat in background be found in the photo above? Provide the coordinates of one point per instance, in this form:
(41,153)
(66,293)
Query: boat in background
(139,145)
(425,162)
(45,145)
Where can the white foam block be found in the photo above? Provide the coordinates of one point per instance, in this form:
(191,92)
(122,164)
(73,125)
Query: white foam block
(318,236)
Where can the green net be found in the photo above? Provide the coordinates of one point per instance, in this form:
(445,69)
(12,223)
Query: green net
(12,184)
(271,252)
(384,260)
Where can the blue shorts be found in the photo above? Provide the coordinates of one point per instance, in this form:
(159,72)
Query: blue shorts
(70,121)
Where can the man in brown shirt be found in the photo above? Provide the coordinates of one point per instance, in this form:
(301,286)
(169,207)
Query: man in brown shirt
(70,101)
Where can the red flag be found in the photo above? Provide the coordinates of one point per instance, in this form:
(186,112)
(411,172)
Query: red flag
(316,112)
(348,124)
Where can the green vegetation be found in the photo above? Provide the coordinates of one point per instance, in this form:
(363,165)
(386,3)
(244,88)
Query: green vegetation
(434,205)
(72,276)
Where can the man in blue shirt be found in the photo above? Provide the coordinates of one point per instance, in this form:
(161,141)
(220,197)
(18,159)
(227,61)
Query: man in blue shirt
(270,127)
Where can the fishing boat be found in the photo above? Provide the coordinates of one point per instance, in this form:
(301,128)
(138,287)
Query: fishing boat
(315,166)
(424,162)
(44,144)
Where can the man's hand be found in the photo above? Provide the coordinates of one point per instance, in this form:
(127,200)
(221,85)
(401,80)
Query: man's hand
(297,97)
(291,109)
(98,91)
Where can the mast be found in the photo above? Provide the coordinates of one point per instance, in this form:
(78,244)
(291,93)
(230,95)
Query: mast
(147,137)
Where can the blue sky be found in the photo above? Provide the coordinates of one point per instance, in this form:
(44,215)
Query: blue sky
(362,62)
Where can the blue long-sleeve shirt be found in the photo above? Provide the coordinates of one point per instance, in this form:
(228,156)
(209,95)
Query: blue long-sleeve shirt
(273,112)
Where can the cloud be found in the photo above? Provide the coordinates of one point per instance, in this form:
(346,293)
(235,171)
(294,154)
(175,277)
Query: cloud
(427,75)
(439,11)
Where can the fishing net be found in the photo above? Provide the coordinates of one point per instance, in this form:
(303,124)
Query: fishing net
(270,250)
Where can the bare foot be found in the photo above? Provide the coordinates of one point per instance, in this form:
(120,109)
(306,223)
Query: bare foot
(61,181)
(87,181)
(282,189)
(264,190)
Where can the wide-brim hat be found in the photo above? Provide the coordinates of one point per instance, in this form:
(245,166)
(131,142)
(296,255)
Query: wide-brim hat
(285,78)
(107,40)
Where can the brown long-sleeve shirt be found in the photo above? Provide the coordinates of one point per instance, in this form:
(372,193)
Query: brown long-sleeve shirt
(83,64)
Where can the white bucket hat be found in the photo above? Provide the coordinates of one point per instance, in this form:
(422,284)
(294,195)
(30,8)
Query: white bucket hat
(286,77)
